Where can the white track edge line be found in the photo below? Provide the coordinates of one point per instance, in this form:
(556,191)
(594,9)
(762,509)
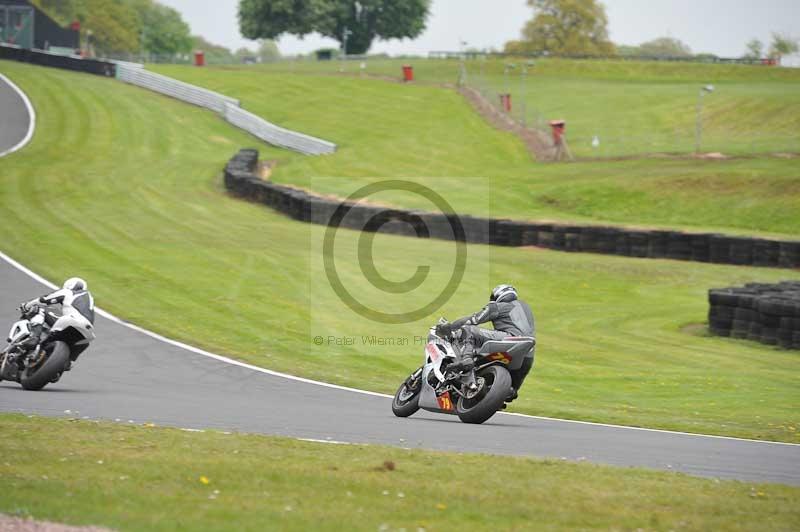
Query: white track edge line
(31,114)
(227,360)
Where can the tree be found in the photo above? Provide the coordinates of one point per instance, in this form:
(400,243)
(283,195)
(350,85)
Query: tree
(110,26)
(364,20)
(782,45)
(565,27)
(516,47)
(243,52)
(755,49)
(113,25)
(665,47)
(124,25)
(268,51)
(162,30)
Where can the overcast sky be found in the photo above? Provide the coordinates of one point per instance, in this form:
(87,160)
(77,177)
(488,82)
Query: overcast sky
(721,27)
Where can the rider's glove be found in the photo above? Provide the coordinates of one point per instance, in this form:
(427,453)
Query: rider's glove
(28,308)
(444,329)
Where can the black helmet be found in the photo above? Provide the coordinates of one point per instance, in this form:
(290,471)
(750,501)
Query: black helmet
(503,292)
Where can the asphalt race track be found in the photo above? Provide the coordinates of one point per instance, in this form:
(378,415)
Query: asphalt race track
(14,118)
(129,376)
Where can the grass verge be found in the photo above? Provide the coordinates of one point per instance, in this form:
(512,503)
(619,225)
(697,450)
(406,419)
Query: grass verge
(633,107)
(125,187)
(425,132)
(149,478)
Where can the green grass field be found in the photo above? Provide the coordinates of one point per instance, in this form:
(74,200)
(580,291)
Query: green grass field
(633,107)
(429,133)
(147,478)
(141,213)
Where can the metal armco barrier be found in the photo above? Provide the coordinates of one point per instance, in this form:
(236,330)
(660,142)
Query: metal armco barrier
(766,313)
(275,134)
(174,88)
(241,179)
(227,107)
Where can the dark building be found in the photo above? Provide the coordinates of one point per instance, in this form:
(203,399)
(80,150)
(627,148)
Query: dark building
(25,25)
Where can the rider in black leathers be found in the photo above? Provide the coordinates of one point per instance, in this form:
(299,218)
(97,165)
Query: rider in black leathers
(509,315)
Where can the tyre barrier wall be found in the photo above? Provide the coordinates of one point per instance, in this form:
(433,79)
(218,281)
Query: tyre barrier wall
(228,108)
(766,313)
(49,59)
(241,179)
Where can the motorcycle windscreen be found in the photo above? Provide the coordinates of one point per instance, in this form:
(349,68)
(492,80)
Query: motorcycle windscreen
(84,304)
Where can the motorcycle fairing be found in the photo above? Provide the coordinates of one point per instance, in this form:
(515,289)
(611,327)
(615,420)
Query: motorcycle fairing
(512,350)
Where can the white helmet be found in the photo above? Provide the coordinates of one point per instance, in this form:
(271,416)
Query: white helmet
(503,292)
(75,284)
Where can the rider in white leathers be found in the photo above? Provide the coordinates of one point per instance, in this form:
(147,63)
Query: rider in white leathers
(74,297)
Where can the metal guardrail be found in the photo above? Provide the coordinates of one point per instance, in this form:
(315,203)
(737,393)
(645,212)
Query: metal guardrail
(172,87)
(227,107)
(276,135)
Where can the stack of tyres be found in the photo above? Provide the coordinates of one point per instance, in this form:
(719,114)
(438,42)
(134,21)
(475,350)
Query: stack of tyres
(765,252)
(530,234)
(572,238)
(241,178)
(499,230)
(767,313)
(789,254)
(741,250)
(622,246)
(544,235)
(700,247)
(559,237)
(658,244)
(719,248)
(639,243)
(679,246)
(722,304)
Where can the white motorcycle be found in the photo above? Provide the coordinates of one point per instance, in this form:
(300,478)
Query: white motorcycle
(473,395)
(35,367)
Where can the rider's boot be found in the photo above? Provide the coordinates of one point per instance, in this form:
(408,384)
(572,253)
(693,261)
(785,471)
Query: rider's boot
(518,377)
(464,363)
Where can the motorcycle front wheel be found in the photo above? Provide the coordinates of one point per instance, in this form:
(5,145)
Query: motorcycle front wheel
(56,358)
(494,386)
(406,400)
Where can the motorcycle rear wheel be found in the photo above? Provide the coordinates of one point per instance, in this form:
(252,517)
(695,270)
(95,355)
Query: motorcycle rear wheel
(406,401)
(52,366)
(497,383)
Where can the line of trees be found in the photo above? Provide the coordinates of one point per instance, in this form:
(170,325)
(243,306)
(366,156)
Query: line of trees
(580,27)
(124,26)
(780,46)
(143,27)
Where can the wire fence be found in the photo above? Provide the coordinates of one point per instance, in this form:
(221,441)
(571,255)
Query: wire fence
(615,127)
(515,92)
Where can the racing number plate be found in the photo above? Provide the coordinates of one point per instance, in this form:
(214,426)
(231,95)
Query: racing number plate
(445,402)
